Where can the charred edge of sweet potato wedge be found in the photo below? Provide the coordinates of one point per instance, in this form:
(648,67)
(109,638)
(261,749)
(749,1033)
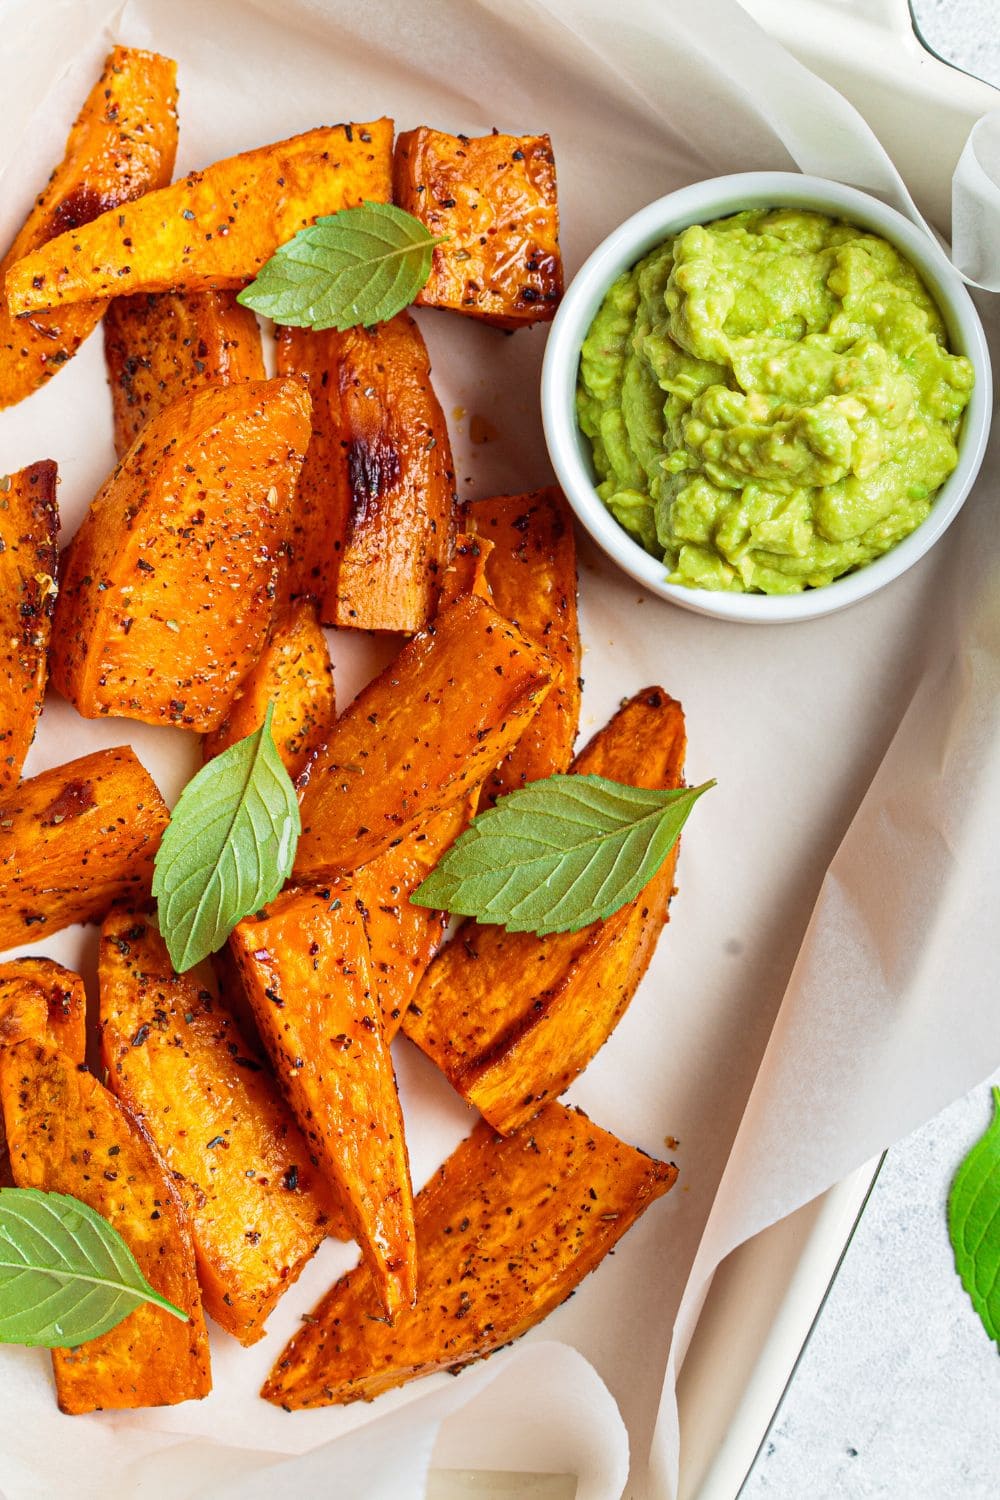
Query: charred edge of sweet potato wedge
(29,527)
(507,1228)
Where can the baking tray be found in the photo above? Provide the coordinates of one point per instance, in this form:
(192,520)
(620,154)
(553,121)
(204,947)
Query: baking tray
(767,1296)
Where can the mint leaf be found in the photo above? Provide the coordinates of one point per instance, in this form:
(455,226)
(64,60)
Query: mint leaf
(66,1275)
(359,266)
(559,853)
(974,1224)
(228,848)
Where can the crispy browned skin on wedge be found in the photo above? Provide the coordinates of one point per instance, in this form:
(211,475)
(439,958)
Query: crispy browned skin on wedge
(295,674)
(531,572)
(44,1001)
(169,585)
(159,347)
(305,964)
(211,230)
(29,525)
(403,937)
(511,1018)
(74,840)
(122,144)
(466,573)
(494,196)
(376,503)
(257,1205)
(506,1230)
(421,736)
(67,1134)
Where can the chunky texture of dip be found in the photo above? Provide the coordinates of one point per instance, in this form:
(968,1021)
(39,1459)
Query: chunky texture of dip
(770,400)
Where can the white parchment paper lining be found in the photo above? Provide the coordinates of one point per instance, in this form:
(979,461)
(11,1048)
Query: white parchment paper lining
(859,778)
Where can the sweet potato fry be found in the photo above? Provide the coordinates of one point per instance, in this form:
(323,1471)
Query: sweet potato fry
(531,573)
(466,573)
(211,230)
(169,585)
(376,498)
(257,1206)
(511,1018)
(161,346)
(67,1134)
(41,1000)
(506,1230)
(74,840)
(29,525)
(123,143)
(295,673)
(305,965)
(495,198)
(420,737)
(403,938)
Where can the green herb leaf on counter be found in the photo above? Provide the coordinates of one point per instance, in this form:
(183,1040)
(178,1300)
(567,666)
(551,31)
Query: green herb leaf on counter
(228,849)
(559,853)
(66,1275)
(359,266)
(974,1224)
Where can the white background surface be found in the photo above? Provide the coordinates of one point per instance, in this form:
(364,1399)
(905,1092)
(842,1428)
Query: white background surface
(897,1396)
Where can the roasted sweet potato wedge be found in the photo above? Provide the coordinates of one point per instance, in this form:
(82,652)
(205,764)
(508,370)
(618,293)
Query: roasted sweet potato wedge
(531,573)
(211,230)
(511,1018)
(257,1206)
(506,1230)
(466,573)
(403,938)
(74,840)
(421,736)
(376,499)
(41,1000)
(495,198)
(305,964)
(122,145)
(67,1134)
(169,585)
(29,525)
(161,346)
(295,674)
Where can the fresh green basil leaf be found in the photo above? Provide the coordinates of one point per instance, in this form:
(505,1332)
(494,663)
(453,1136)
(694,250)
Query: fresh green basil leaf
(66,1275)
(359,266)
(559,853)
(974,1224)
(228,849)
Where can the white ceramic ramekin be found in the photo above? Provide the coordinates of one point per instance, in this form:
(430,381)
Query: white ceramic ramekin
(699,204)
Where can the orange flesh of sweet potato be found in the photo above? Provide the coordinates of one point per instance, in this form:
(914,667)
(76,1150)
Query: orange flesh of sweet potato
(160,347)
(507,1228)
(67,1134)
(376,498)
(295,673)
(211,230)
(41,1000)
(306,969)
(531,572)
(495,197)
(29,525)
(169,585)
(512,1018)
(122,144)
(466,573)
(420,737)
(74,840)
(257,1206)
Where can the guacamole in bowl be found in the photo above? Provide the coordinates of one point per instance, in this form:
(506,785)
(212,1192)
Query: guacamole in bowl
(770,400)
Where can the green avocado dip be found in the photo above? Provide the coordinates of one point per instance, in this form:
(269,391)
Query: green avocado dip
(770,400)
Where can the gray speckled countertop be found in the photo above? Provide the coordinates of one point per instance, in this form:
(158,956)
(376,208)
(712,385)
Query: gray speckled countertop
(897,1395)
